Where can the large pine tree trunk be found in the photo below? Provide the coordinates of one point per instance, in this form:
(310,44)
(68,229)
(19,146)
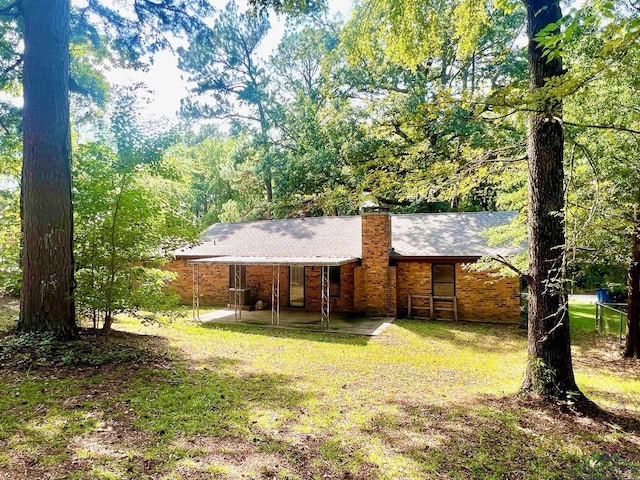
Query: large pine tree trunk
(47,260)
(549,368)
(632,345)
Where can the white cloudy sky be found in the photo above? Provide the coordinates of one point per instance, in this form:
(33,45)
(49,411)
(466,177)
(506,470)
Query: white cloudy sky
(165,79)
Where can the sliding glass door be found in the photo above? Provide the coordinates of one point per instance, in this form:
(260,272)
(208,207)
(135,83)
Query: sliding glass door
(296,286)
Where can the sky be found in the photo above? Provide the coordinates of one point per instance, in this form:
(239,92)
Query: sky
(167,81)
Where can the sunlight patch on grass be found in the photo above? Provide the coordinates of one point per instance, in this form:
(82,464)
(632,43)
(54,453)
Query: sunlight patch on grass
(611,391)
(106,474)
(396,465)
(341,455)
(217,470)
(582,318)
(49,427)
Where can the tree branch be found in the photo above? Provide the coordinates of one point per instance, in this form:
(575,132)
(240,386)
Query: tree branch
(502,260)
(501,117)
(235,115)
(493,155)
(602,127)
(481,161)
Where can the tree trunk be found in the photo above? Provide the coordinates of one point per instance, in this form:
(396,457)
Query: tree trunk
(268,177)
(46,303)
(632,345)
(549,368)
(108,321)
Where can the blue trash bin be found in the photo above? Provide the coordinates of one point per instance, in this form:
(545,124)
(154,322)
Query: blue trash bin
(603,295)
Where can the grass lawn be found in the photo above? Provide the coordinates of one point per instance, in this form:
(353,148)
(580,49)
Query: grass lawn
(422,400)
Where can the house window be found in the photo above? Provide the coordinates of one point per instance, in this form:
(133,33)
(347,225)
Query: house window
(443,277)
(334,281)
(243,276)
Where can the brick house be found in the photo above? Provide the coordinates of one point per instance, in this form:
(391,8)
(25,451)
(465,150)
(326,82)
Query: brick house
(376,263)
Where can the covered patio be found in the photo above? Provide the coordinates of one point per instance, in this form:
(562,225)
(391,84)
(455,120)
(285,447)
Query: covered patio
(308,321)
(324,319)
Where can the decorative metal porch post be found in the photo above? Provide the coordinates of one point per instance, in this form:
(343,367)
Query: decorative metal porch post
(275,295)
(326,300)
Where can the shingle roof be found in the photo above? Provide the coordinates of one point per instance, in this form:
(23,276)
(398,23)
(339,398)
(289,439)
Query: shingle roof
(413,235)
(298,237)
(448,234)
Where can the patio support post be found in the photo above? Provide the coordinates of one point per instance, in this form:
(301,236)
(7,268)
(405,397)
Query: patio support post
(237,293)
(275,295)
(196,291)
(325,298)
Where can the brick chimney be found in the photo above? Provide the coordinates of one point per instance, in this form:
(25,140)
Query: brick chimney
(377,286)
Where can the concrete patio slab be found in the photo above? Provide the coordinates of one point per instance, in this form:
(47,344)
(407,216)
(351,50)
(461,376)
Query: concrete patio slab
(308,321)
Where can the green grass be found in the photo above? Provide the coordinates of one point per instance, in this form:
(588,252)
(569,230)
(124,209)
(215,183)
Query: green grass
(422,400)
(582,318)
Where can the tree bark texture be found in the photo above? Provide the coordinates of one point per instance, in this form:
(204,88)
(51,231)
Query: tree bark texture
(46,303)
(549,367)
(632,344)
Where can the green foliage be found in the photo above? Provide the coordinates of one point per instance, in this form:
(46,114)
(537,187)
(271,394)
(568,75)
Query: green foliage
(411,32)
(471,20)
(231,83)
(10,156)
(89,90)
(439,131)
(10,273)
(128,218)
(603,193)
(223,177)
(29,350)
(222,60)
(291,7)
(130,32)
(310,160)
(543,377)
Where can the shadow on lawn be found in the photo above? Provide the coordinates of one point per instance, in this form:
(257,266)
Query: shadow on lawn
(215,401)
(497,437)
(480,337)
(279,332)
(122,419)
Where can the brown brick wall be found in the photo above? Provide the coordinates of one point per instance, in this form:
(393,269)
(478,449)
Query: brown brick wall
(487,298)
(343,303)
(392,302)
(213,282)
(413,278)
(214,285)
(260,278)
(480,298)
(182,285)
